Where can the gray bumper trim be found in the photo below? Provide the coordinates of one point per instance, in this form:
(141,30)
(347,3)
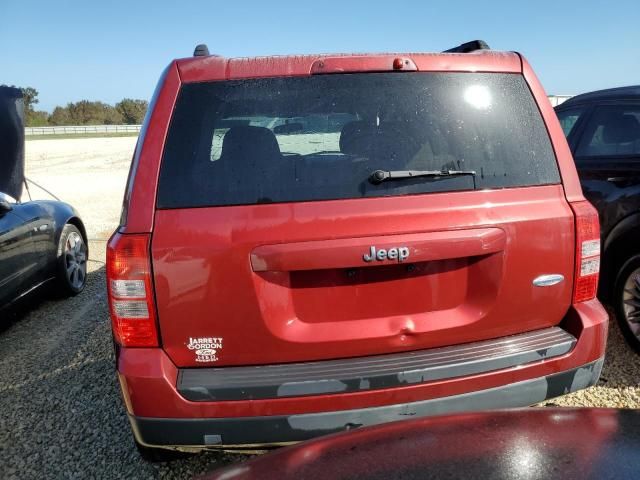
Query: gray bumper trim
(373,372)
(211,432)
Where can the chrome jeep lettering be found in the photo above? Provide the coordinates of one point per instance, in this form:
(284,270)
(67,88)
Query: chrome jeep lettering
(400,254)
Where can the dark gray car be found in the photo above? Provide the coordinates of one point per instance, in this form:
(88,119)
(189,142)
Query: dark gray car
(40,241)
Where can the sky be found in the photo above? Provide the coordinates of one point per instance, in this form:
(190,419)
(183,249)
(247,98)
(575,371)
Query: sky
(107,50)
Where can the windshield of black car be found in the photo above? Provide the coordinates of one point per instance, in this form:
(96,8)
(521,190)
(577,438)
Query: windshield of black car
(291,139)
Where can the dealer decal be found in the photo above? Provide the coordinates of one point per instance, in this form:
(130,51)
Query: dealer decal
(206,349)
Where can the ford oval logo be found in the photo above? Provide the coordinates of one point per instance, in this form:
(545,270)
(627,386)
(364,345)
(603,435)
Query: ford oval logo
(205,351)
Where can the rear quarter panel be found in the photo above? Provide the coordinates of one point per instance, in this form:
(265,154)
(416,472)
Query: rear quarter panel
(140,195)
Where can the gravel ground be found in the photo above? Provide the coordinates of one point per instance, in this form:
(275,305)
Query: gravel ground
(60,411)
(61,415)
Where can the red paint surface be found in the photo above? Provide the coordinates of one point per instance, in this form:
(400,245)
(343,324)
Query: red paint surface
(205,285)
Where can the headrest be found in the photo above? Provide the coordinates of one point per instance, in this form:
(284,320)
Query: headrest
(356,138)
(621,128)
(391,141)
(249,142)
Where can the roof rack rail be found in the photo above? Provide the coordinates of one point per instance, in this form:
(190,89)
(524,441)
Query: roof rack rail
(469,47)
(201,50)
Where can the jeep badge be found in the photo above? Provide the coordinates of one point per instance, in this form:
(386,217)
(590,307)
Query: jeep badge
(396,253)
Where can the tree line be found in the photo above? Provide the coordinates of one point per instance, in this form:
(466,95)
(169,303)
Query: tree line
(128,111)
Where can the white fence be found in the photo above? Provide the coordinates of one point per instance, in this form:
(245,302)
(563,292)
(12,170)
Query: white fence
(558,99)
(90,129)
(81,129)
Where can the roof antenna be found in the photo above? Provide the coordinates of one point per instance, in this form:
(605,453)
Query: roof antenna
(201,50)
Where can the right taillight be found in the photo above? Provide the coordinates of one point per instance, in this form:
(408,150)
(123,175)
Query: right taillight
(587,252)
(131,302)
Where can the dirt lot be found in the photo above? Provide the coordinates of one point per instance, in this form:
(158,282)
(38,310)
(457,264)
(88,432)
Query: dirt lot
(89,173)
(60,411)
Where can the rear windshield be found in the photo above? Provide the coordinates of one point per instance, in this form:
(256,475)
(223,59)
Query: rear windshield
(293,139)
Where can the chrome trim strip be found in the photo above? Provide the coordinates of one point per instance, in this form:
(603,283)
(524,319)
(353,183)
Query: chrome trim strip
(548,280)
(373,372)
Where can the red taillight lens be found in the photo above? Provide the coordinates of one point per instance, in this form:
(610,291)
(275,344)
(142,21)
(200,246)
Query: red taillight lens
(587,252)
(131,302)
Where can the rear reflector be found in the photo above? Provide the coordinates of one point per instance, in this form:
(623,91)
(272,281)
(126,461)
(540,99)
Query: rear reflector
(131,301)
(589,266)
(587,252)
(131,309)
(128,288)
(590,248)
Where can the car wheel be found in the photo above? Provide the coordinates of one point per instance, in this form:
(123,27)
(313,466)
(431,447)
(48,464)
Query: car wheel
(72,261)
(627,301)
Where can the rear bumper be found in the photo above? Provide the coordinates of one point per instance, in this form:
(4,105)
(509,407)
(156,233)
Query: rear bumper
(277,429)
(161,415)
(364,374)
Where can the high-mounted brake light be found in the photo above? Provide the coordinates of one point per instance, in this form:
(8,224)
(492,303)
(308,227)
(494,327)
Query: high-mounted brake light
(131,302)
(587,252)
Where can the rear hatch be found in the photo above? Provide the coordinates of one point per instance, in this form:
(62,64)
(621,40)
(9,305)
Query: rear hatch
(272,242)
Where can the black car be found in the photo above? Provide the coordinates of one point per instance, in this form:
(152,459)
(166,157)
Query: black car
(40,241)
(603,130)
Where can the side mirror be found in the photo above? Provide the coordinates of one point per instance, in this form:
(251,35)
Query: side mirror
(5,206)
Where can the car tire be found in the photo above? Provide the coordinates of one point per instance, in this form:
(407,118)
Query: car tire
(627,301)
(72,256)
(159,455)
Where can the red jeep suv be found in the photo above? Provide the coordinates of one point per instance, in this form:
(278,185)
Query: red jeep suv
(314,243)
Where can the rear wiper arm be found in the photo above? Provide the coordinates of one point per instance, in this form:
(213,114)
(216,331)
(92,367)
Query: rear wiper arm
(379,176)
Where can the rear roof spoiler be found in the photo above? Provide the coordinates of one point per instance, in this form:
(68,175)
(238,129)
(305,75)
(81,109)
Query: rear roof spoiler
(469,47)
(202,50)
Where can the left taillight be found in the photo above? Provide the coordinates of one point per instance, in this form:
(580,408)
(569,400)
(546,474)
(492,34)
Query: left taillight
(587,252)
(130,289)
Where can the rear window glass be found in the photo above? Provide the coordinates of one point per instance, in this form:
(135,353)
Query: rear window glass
(293,139)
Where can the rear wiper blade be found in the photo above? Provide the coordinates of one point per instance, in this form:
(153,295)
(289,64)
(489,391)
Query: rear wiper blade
(379,176)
